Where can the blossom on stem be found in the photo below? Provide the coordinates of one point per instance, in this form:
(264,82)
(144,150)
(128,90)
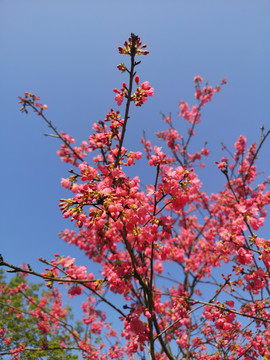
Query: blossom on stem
(138,46)
(142,93)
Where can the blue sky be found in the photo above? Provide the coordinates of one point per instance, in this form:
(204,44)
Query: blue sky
(66,52)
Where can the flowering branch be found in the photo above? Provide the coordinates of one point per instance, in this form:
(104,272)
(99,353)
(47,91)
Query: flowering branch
(29,100)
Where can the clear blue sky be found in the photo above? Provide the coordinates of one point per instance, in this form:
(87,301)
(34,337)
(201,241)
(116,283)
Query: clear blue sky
(66,52)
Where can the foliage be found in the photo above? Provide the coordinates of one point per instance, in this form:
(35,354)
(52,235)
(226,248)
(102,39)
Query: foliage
(27,312)
(138,234)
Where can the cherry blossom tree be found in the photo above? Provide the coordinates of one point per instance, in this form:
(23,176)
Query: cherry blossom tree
(216,305)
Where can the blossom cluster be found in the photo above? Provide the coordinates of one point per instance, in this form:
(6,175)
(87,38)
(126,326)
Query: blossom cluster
(139,97)
(142,92)
(134,42)
(33,101)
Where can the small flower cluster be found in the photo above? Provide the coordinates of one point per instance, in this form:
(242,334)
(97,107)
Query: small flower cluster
(159,157)
(122,67)
(205,94)
(174,140)
(223,321)
(31,100)
(142,92)
(193,116)
(121,94)
(65,266)
(139,97)
(67,155)
(133,42)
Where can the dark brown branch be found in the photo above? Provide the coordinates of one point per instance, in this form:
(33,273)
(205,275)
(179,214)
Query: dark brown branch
(131,76)
(58,135)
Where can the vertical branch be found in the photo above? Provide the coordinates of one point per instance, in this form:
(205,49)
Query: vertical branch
(151,302)
(263,138)
(190,135)
(131,76)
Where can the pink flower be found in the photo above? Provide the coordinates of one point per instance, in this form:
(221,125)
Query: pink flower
(256,223)
(220,323)
(75,290)
(147,314)
(137,326)
(230,303)
(145,86)
(240,145)
(205,151)
(244,256)
(198,79)
(65,183)
(7,340)
(158,267)
(67,262)
(222,165)
(119,99)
